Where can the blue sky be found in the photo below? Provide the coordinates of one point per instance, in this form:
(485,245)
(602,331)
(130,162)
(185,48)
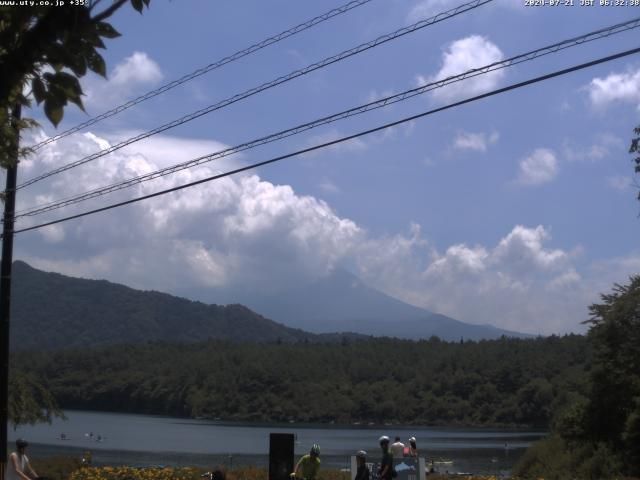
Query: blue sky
(515,210)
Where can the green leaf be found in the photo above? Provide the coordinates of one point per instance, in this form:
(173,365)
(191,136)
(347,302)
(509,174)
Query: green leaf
(77,101)
(138,5)
(39,90)
(66,88)
(94,40)
(53,109)
(106,30)
(58,54)
(68,83)
(78,65)
(96,63)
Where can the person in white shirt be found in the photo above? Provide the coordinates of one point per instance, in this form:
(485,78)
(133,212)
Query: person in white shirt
(397,448)
(19,467)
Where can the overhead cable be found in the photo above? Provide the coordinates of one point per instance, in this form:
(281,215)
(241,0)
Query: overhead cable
(514,86)
(380,103)
(466,7)
(201,71)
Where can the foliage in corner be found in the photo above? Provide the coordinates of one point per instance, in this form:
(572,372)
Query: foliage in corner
(48,49)
(44,51)
(600,437)
(30,402)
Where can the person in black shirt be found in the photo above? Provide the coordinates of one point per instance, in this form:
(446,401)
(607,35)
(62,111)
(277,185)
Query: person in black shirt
(363,471)
(386,464)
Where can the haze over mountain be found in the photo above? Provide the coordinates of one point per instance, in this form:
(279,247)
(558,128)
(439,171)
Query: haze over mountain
(342,302)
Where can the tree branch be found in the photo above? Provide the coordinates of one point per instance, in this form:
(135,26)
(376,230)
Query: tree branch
(109,11)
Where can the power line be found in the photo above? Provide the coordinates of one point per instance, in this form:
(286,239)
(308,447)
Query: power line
(265,86)
(380,103)
(341,140)
(212,66)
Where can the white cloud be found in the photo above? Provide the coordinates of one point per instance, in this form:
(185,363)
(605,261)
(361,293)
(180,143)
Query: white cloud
(463,55)
(565,279)
(523,248)
(506,284)
(538,168)
(424,9)
(244,231)
(138,69)
(327,186)
(224,231)
(620,182)
(460,259)
(603,147)
(615,87)
(478,142)
(130,77)
(520,283)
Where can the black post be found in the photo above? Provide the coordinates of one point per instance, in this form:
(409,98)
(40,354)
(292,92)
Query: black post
(281,450)
(5,290)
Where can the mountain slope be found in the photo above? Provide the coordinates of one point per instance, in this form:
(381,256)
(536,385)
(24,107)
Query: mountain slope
(342,302)
(50,310)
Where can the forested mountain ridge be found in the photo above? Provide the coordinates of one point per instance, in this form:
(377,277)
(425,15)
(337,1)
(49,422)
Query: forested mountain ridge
(504,382)
(50,311)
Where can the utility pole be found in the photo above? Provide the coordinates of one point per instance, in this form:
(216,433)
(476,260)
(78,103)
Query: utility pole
(5,288)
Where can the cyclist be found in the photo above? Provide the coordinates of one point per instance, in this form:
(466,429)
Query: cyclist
(309,465)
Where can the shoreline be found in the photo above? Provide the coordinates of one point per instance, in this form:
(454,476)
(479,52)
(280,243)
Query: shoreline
(516,429)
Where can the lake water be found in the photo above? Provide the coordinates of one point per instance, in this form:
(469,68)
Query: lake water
(143,440)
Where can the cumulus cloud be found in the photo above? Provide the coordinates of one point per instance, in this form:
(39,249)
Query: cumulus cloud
(245,232)
(463,55)
(131,76)
(538,168)
(523,248)
(217,233)
(520,283)
(615,88)
(478,142)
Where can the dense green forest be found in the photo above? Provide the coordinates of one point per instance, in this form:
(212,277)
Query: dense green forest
(496,382)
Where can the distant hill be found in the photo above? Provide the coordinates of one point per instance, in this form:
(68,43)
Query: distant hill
(343,302)
(50,311)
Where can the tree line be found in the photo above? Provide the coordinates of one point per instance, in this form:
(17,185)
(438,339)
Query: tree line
(504,382)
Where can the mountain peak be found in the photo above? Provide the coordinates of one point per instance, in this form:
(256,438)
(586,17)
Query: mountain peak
(341,302)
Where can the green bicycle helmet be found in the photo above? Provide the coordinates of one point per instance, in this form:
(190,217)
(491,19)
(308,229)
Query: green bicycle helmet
(315,450)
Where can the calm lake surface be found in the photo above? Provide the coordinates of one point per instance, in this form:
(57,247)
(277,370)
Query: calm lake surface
(143,440)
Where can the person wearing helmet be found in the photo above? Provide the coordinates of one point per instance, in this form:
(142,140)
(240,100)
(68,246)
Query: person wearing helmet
(386,464)
(19,467)
(308,466)
(413,448)
(362,473)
